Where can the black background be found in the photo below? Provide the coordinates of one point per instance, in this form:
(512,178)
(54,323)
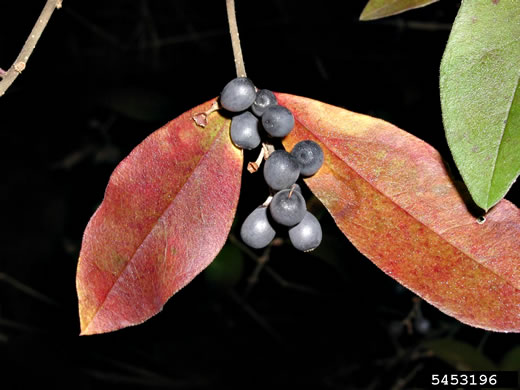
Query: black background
(107,73)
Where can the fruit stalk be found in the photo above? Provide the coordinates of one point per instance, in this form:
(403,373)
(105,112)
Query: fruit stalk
(235,40)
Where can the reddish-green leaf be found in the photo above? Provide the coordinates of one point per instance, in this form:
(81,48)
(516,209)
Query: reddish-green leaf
(166,214)
(391,195)
(377,9)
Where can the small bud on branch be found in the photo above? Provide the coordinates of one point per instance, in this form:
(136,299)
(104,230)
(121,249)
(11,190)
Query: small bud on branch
(27,49)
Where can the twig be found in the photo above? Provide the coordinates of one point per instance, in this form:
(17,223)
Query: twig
(143,382)
(414,313)
(27,49)
(262,265)
(133,374)
(244,248)
(261,261)
(26,289)
(284,283)
(483,341)
(235,40)
(18,326)
(417,25)
(402,382)
(264,324)
(97,30)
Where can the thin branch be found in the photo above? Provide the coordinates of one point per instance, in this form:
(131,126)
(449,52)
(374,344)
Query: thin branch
(26,289)
(402,382)
(4,323)
(262,265)
(264,324)
(235,40)
(284,283)
(93,28)
(27,49)
(260,261)
(243,247)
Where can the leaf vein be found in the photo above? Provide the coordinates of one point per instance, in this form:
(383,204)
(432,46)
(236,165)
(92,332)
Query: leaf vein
(504,127)
(408,213)
(197,166)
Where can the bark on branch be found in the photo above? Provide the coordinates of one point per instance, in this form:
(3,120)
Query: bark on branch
(21,61)
(235,41)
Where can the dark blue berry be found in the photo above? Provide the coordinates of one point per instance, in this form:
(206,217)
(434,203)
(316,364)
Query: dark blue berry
(281,170)
(244,130)
(238,94)
(309,155)
(288,207)
(256,231)
(264,99)
(307,235)
(278,121)
(422,325)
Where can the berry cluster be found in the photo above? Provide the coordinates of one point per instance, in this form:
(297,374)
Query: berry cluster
(281,169)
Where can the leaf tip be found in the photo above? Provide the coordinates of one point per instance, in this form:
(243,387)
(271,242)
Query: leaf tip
(84,330)
(83,327)
(365,16)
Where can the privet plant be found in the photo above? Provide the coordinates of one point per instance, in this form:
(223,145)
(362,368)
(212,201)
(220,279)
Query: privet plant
(166,213)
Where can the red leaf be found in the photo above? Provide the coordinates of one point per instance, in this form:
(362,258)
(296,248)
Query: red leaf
(167,212)
(391,195)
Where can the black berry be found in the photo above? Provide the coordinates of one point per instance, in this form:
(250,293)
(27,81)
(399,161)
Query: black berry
(281,170)
(256,230)
(309,156)
(238,94)
(307,235)
(278,121)
(264,99)
(288,207)
(244,130)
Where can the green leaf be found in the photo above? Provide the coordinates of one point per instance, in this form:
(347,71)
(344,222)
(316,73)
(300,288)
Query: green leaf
(377,9)
(460,355)
(511,360)
(480,97)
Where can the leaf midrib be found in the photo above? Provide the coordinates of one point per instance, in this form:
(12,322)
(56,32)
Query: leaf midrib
(506,124)
(202,158)
(404,210)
